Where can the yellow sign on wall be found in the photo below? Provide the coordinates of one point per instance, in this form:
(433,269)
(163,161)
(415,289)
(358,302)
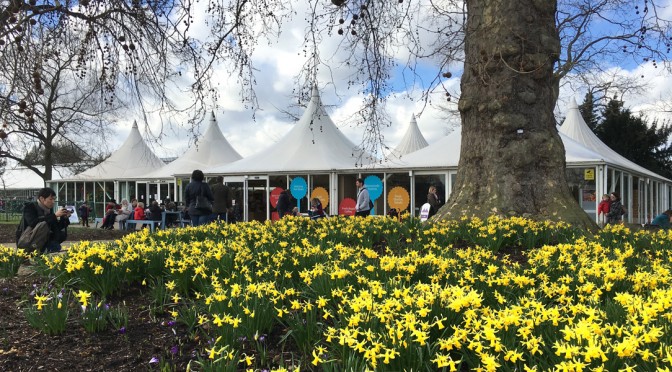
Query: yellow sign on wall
(322,194)
(589,174)
(398,198)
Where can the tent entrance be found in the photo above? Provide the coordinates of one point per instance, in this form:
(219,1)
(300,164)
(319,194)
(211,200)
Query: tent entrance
(249,197)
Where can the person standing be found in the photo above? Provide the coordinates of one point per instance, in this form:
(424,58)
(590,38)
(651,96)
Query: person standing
(434,200)
(194,189)
(284,205)
(363,207)
(603,209)
(84,212)
(222,204)
(616,210)
(42,210)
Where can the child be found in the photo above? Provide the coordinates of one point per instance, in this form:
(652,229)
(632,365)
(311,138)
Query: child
(603,208)
(84,214)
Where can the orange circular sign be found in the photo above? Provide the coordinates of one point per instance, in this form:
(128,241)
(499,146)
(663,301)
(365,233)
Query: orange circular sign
(398,198)
(322,194)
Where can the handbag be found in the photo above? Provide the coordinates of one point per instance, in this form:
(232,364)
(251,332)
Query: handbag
(34,238)
(203,205)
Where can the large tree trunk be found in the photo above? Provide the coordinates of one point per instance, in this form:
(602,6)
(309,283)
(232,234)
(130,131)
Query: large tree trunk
(512,160)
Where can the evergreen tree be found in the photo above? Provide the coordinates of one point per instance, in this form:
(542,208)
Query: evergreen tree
(588,111)
(633,138)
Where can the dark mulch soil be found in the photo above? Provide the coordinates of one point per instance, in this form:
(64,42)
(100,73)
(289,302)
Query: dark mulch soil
(148,335)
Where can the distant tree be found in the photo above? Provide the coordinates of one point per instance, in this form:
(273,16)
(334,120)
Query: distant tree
(52,109)
(63,155)
(633,138)
(588,111)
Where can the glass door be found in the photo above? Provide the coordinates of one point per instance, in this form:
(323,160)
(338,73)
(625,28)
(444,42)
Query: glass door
(249,197)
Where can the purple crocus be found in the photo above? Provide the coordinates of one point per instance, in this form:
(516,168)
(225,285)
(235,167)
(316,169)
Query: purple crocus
(154,360)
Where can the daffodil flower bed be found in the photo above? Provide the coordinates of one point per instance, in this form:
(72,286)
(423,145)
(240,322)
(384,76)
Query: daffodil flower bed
(376,294)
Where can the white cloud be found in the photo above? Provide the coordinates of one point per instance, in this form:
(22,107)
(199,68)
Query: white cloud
(277,65)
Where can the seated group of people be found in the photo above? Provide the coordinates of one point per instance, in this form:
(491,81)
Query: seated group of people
(135,210)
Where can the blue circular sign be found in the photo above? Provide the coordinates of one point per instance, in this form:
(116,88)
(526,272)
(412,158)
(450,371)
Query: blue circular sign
(375,187)
(298,187)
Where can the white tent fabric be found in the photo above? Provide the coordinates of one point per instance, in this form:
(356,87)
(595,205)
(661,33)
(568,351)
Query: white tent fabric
(445,153)
(412,141)
(212,150)
(134,159)
(21,178)
(576,128)
(313,144)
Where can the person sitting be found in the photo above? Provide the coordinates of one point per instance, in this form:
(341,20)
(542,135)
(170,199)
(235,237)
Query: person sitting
(170,206)
(155,211)
(123,213)
(139,212)
(316,211)
(110,215)
(662,221)
(42,210)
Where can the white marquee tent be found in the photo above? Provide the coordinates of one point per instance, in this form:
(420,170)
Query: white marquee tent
(576,128)
(314,144)
(412,141)
(134,159)
(211,150)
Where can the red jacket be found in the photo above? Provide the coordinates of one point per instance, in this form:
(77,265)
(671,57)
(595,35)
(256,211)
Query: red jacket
(139,213)
(603,207)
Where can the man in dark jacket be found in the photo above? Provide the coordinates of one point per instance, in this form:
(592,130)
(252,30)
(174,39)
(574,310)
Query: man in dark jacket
(284,204)
(222,204)
(42,210)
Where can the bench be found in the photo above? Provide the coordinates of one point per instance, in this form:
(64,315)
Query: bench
(178,220)
(152,224)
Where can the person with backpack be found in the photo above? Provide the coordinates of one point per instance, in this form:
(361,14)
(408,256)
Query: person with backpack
(363,206)
(616,210)
(41,210)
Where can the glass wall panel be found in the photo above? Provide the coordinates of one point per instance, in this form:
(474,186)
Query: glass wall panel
(70,198)
(581,182)
(346,188)
(276,182)
(378,204)
(320,182)
(302,202)
(422,184)
(394,181)
(257,199)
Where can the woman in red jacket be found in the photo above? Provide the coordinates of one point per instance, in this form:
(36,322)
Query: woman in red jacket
(603,209)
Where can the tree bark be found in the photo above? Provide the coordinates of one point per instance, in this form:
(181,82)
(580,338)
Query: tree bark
(512,161)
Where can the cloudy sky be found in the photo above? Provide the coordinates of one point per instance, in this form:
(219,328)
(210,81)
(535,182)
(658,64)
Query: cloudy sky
(278,65)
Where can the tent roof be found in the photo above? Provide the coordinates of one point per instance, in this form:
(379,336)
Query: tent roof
(413,140)
(445,153)
(134,159)
(313,144)
(212,150)
(576,128)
